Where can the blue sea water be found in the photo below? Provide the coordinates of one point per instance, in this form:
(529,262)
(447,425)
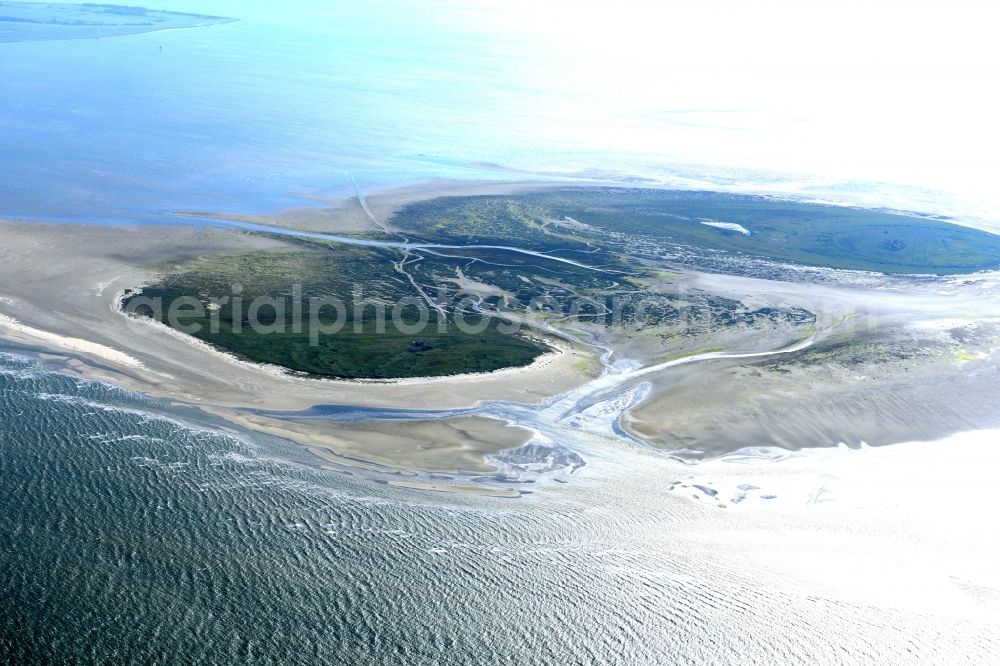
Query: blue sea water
(312,96)
(134,532)
(241,116)
(132,535)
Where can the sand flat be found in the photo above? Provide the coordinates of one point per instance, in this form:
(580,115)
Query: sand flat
(454,446)
(60,289)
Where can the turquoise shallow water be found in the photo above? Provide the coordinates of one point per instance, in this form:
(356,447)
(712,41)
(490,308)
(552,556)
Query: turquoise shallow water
(131,537)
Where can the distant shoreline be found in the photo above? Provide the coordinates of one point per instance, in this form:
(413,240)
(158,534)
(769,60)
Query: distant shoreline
(38,22)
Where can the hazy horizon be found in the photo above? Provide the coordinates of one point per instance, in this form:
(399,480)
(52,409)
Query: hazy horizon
(771,99)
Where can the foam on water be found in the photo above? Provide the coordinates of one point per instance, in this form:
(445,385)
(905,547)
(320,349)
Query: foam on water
(130,531)
(130,535)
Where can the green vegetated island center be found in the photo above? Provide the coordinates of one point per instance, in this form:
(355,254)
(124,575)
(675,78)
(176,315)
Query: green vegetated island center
(611,235)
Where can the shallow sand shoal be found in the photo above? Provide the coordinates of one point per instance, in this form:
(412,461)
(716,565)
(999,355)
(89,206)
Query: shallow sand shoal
(372,212)
(448,488)
(59,291)
(454,446)
(332,217)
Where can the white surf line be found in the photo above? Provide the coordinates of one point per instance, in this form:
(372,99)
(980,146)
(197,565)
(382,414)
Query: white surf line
(14,329)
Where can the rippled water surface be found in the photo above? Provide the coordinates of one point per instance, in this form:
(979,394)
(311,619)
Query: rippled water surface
(134,532)
(129,536)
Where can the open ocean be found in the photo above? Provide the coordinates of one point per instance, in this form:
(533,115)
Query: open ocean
(315,96)
(133,532)
(132,536)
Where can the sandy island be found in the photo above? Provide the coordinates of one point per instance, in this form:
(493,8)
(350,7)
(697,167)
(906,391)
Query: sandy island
(61,284)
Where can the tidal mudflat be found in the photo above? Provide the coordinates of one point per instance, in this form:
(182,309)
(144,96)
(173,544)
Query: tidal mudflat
(587,320)
(463,333)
